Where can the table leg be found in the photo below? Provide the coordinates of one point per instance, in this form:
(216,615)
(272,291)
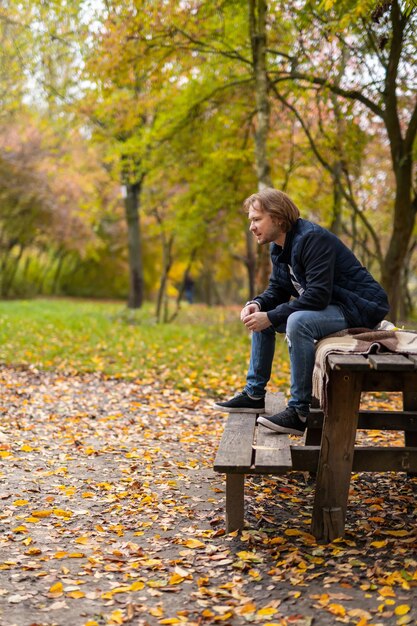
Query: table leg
(235,487)
(336,455)
(410,404)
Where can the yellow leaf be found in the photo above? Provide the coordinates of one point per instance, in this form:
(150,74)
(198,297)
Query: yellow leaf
(60,555)
(76,594)
(26,448)
(138,585)
(379,544)
(33,551)
(56,588)
(82,540)
(20,529)
(223,618)
(116,617)
(32,520)
(404,620)
(396,533)
(107,595)
(91,622)
(401,609)
(170,620)
(76,555)
(250,607)
(337,609)
(156,611)
(276,540)
(20,502)
(62,513)
(194,543)
(176,579)
(45,513)
(267,611)
(248,556)
(387,592)
(122,589)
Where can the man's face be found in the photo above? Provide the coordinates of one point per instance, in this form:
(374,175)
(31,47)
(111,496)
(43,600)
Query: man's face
(265,228)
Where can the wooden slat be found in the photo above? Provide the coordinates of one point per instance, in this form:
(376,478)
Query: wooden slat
(274,402)
(390,362)
(381,380)
(352,362)
(272,451)
(374,420)
(378,459)
(315,418)
(235,449)
(413,357)
(388,420)
(365,459)
(305,458)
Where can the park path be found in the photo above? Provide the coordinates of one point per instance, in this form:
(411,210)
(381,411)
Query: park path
(111,514)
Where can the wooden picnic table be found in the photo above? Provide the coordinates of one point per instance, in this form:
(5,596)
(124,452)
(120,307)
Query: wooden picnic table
(329,450)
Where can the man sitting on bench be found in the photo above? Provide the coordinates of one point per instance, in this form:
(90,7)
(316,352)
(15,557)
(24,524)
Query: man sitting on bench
(317,287)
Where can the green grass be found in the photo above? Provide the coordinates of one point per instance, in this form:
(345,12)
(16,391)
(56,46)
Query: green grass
(205,350)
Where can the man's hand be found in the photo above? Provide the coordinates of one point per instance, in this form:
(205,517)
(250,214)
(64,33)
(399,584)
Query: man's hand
(256,321)
(252,307)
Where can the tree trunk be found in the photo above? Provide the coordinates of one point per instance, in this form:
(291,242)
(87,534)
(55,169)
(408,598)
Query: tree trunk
(404,219)
(401,147)
(162,301)
(136,283)
(257,32)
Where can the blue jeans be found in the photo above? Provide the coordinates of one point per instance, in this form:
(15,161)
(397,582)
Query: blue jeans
(303,329)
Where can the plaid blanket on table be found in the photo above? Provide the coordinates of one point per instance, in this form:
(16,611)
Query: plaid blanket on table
(358,341)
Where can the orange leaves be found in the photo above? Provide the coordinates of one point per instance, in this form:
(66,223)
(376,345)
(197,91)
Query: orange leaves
(136,532)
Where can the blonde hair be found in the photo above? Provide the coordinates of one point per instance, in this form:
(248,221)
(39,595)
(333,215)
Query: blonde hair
(277,204)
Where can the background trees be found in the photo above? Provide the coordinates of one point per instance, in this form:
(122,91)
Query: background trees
(154,121)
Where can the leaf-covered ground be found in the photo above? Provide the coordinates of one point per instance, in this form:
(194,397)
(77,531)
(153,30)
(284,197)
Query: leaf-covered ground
(111,514)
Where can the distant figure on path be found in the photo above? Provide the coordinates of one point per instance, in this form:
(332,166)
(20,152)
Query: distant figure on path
(317,287)
(189,288)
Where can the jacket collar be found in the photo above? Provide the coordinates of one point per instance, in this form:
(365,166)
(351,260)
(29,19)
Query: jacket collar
(282,254)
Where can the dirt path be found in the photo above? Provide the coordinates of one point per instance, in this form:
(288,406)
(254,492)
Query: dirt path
(111,514)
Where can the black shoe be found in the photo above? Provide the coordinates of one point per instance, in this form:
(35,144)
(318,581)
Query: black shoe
(242,403)
(285,422)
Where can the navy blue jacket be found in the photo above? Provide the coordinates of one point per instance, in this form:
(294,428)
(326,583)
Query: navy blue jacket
(328,272)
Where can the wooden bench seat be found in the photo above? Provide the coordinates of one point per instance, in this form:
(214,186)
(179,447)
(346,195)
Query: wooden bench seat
(248,448)
(329,451)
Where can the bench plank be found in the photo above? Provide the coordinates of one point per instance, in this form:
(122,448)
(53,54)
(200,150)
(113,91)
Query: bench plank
(374,420)
(365,458)
(391,361)
(235,450)
(272,451)
(352,362)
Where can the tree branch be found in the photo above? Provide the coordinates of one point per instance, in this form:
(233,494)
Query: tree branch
(351,94)
(348,195)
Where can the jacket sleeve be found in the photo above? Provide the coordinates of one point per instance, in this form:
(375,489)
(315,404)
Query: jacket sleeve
(317,263)
(277,292)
